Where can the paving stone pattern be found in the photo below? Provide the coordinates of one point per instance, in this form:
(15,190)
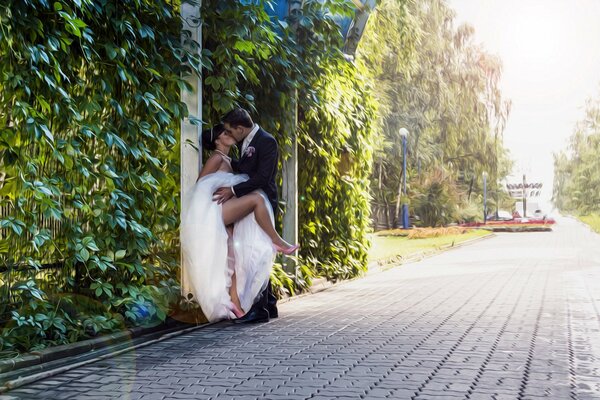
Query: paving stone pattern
(512,317)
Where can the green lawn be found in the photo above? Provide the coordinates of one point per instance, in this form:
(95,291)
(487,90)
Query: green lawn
(593,220)
(388,247)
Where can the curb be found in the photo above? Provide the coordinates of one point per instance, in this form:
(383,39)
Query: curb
(318,285)
(48,362)
(71,349)
(588,226)
(520,229)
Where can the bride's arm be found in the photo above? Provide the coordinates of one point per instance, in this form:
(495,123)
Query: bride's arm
(211,165)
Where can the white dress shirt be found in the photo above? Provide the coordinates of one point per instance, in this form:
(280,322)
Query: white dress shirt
(248,139)
(245,145)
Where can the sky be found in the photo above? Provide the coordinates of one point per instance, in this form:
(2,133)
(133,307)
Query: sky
(550,51)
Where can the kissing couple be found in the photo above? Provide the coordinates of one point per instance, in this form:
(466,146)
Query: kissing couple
(228,235)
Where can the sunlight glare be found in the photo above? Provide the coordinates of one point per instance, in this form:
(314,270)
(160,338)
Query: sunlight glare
(536,41)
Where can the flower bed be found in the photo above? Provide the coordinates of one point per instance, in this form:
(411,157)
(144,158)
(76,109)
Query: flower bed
(422,233)
(512,222)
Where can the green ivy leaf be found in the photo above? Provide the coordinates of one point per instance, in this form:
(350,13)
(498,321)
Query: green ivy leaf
(83,255)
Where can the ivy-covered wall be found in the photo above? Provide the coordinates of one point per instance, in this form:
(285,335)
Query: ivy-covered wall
(336,151)
(89,116)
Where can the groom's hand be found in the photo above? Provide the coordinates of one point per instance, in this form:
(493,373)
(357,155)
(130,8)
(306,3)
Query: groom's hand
(222,195)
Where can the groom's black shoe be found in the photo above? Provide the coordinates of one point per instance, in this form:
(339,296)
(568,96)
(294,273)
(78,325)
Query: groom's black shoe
(272,309)
(255,315)
(271,305)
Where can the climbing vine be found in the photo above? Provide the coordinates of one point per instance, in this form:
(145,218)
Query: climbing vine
(90,108)
(336,137)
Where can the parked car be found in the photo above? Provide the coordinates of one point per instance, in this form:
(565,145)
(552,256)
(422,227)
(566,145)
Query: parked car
(538,214)
(502,216)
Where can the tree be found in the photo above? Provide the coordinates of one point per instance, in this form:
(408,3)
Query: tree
(433,80)
(577,169)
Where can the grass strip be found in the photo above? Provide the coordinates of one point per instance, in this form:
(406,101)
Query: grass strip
(592,220)
(386,247)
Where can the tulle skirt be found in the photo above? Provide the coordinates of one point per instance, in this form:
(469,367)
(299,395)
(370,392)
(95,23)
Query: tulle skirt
(205,245)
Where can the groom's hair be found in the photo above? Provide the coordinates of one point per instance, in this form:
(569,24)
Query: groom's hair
(238,116)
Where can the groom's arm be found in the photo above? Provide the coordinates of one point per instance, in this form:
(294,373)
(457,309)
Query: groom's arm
(267,163)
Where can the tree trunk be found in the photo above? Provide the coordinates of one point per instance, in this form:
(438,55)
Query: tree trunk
(470,188)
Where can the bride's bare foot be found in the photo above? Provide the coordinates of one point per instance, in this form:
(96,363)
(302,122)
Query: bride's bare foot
(287,248)
(237,311)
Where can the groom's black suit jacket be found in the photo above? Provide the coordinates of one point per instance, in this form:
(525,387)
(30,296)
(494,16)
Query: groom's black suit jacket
(260,166)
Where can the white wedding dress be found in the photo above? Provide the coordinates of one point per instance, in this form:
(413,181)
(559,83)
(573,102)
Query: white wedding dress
(204,241)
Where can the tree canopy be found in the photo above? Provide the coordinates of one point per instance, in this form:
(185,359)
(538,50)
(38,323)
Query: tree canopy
(577,169)
(432,79)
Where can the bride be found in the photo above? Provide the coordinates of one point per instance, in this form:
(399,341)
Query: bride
(228,249)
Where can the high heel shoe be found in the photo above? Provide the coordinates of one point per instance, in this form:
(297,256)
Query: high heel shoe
(288,251)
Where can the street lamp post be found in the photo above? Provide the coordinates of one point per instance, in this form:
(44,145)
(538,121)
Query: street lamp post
(404,134)
(484,197)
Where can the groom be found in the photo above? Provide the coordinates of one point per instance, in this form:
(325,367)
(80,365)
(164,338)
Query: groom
(258,160)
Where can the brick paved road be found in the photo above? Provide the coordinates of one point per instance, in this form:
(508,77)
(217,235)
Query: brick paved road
(512,317)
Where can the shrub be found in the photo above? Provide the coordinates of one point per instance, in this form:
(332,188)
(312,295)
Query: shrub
(435,199)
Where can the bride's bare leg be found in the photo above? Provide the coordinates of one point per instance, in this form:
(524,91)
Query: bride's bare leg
(235,299)
(237,208)
(233,288)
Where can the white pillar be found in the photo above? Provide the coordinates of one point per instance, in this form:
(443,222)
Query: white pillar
(191,159)
(290,166)
(290,187)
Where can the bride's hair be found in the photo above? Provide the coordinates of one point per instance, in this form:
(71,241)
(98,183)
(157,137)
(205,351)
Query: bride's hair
(210,135)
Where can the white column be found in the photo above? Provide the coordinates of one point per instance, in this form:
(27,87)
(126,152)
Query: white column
(290,166)
(191,158)
(290,187)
